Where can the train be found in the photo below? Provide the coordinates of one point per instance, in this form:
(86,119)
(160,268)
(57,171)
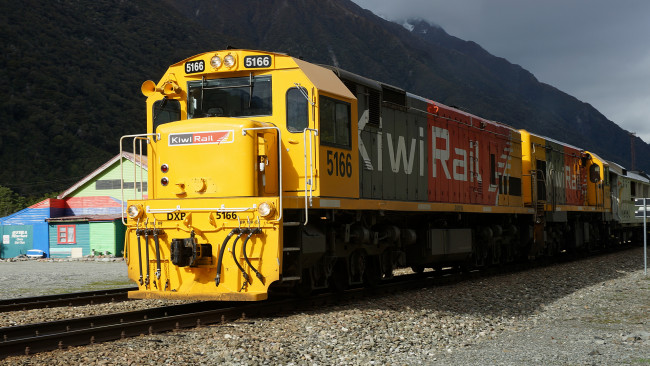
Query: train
(268,173)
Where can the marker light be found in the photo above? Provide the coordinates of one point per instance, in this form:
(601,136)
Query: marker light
(134,211)
(229,60)
(164,181)
(164,168)
(265,209)
(215,61)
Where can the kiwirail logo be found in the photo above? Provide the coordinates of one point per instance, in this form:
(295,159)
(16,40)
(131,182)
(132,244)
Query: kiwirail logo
(199,138)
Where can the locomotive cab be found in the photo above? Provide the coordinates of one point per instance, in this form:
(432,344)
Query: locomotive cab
(234,144)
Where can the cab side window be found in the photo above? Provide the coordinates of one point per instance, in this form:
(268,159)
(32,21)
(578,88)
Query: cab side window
(165,110)
(334,122)
(297,111)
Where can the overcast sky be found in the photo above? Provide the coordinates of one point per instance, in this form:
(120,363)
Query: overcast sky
(596,50)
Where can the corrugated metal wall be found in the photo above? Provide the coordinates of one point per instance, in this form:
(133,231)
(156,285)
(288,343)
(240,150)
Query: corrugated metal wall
(87,200)
(82,239)
(112,173)
(103,205)
(107,237)
(16,240)
(34,218)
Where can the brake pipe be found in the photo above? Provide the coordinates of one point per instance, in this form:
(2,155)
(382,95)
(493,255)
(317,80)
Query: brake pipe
(234,255)
(138,233)
(146,249)
(257,273)
(217,279)
(155,239)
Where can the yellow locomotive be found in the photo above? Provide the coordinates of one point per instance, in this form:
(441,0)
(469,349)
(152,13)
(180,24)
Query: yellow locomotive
(214,223)
(266,170)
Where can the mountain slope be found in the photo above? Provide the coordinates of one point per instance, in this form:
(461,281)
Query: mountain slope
(524,102)
(424,60)
(72,73)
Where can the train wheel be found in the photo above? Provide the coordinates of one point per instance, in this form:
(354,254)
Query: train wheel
(357,266)
(372,275)
(304,287)
(386,260)
(339,280)
(417,268)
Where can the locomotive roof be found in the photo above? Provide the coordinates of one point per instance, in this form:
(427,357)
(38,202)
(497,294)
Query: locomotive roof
(323,80)
(378,85)
(460,111)
(638,176)
(558,142)
(617,168)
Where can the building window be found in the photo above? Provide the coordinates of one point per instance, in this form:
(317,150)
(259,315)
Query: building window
(66,234)
(115,184)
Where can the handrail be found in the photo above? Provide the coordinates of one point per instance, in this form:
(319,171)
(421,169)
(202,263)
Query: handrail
(223,208)
(143,136)
(280,191)
(553,178)
(311,168)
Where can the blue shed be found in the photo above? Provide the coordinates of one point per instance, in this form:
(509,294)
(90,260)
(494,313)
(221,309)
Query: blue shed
(83,219)
(77,236)
(27,229)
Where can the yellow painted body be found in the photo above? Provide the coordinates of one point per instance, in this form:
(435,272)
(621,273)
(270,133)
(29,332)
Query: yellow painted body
(219,167)
(203,217)
(599,193)
(532,150)
(210,173)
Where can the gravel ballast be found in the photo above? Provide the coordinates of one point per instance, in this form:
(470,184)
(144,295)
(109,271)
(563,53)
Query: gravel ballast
(31,277)
(590,312)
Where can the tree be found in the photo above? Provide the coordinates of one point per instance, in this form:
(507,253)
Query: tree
(10,201)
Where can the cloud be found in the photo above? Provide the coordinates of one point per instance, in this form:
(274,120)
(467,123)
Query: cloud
(594,50)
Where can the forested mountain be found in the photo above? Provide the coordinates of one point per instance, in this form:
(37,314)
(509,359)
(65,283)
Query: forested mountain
(72,72)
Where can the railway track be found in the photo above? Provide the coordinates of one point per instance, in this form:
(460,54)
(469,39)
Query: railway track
(42,337)
(70,299)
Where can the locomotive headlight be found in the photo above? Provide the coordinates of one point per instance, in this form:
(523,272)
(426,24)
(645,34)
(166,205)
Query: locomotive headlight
(265,210)
(215,61)
(229,60)
(134,211)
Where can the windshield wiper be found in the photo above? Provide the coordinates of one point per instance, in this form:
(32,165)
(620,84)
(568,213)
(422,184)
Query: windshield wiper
(250,90)
(162,107)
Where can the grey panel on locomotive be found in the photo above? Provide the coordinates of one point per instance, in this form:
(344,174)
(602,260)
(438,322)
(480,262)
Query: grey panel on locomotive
(393,140)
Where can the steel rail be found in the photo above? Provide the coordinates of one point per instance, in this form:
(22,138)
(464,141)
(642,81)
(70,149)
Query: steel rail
(67,325)
(35,338)
(69,299)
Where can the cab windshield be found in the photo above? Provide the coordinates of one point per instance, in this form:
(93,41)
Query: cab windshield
(233,97)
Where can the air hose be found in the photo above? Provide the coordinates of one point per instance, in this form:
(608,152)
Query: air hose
(138,232)
(234,255)
(257,273)
(146,250)
(217,279)
(155,239)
